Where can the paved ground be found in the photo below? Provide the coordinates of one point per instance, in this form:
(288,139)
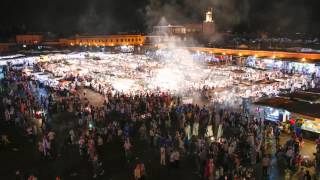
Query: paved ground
(93,97)
(308,147)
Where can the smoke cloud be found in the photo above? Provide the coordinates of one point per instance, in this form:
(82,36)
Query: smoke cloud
(112,16)
(226,12)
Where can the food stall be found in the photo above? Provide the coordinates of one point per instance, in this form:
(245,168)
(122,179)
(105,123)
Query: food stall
(310,125)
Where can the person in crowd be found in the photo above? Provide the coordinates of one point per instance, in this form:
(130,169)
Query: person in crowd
(265,165)
(127,148)
(307,175)
(162,156)
(97,167)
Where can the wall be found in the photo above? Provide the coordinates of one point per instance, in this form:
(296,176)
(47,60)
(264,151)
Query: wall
(112,40)
(5,47)
(29,39)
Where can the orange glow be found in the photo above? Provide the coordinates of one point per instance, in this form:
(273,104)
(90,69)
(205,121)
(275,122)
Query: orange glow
(281,54)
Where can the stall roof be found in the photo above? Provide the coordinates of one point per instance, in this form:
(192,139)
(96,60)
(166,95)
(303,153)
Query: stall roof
(307,96)
(300,107)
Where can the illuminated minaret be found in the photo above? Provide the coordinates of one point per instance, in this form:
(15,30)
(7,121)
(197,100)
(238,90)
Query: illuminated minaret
(209,16)
(208,26)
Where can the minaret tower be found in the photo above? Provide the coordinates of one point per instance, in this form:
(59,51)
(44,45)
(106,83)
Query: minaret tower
(208,26)
(209,16)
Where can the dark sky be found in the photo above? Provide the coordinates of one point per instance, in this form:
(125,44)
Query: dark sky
(68,17)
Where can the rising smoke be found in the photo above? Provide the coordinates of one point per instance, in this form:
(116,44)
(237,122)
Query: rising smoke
(226,12)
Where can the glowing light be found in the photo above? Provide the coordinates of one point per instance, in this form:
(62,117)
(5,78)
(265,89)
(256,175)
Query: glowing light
(240,54)
(174,71)
(273,57)
(90,126)
(303,59)
(168,79)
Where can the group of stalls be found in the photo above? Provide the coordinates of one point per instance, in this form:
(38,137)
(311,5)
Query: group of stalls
(288,66)
(297,113)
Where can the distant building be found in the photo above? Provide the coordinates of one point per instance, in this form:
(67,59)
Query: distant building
(29,39)
(6,47)
(108,40)
(186,31)
(170,30)
(208,25)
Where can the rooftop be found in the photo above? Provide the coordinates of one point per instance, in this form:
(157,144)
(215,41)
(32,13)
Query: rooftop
(305,103)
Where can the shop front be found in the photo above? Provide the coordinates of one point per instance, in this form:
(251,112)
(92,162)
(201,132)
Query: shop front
(273,114)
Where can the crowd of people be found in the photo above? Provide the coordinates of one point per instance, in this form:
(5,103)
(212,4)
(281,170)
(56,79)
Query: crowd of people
(223,142)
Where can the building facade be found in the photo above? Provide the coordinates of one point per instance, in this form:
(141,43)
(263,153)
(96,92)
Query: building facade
(110,40)
(7,47)
(201,31)
(4,47)
(27,39)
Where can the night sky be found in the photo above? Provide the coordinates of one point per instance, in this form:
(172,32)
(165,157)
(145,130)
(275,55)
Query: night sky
(67,17)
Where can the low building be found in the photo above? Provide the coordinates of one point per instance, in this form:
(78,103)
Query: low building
(4,47)
(201,31)
(108,40)
(170,30)
(27,39)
